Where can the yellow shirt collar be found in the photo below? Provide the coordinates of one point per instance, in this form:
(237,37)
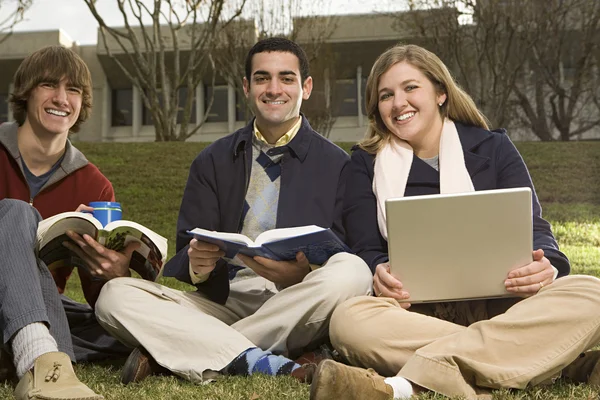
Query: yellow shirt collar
(285,139)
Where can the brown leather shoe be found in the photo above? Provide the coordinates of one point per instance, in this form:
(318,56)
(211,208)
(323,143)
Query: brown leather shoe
(333,380)
(305,373)
(585,369)
(139,366)
(315,356)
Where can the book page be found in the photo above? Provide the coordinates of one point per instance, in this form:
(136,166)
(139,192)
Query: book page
(232,237)
(157,239)
(149,258)
(284,233)
(55,255)
(55,226)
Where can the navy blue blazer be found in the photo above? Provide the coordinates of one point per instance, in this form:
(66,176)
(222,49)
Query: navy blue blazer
(492,161)
(311,192)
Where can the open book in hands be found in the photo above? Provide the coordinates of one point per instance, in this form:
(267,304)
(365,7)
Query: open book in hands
(318,244)
(147,260)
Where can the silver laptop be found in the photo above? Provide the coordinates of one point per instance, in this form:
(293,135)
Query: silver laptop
(459,246)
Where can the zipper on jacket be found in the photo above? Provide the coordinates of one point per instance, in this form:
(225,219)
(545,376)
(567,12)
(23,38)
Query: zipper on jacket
(25,179)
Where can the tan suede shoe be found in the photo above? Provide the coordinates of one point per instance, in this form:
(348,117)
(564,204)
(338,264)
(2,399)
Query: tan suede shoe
(53,378)
(585,369)
(333,380)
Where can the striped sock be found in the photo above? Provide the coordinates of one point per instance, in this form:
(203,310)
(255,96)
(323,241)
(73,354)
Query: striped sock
(29,343)
(255,360)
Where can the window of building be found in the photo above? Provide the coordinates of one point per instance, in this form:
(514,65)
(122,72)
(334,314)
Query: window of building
(3,107)
(122,107)
(182,93)
(344,98)
(218,111)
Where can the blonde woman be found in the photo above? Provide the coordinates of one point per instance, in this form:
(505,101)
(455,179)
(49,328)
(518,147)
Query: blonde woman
(426,136)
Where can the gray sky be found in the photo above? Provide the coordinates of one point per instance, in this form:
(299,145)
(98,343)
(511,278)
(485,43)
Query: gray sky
(73,16)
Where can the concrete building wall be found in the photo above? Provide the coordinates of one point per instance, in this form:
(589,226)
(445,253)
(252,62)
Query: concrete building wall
(20,44)
(94,129)
(356,41)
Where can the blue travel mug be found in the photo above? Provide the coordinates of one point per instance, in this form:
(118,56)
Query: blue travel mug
(106,211)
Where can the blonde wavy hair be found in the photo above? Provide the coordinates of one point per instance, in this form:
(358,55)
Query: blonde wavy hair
(459,106)
(51,64)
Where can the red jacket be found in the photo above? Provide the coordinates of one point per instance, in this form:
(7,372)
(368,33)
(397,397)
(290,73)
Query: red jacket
(76,182)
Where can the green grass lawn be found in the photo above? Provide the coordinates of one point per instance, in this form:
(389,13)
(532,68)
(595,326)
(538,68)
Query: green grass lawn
(149,179)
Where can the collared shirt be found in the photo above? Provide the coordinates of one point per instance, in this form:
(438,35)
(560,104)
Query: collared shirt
(282,141)
(285,139)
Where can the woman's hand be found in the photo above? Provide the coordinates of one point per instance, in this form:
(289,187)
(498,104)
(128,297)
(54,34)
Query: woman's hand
(386,285)
(529,279)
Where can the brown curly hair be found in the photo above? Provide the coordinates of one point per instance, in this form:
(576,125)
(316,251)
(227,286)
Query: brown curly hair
(51,64)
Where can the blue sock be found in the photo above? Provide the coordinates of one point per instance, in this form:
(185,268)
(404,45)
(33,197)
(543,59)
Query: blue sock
(255,360)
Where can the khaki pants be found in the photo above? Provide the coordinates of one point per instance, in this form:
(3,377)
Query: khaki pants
(189,334)
(529,343)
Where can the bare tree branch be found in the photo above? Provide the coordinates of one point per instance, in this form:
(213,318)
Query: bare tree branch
(541,55)
(161,49)
(15,15)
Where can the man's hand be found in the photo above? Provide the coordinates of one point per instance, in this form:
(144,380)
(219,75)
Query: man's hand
(282,273)
(101,262)
(386,285)
(203,256)
(83,207)
(529,279)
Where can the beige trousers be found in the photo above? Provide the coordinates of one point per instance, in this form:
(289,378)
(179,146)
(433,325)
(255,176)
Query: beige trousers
(189,334)
(522,343)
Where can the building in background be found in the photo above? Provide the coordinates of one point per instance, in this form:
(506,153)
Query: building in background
(119,114)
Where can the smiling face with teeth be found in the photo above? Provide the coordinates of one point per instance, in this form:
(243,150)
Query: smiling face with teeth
(275,92)
(408,104)
(53,107)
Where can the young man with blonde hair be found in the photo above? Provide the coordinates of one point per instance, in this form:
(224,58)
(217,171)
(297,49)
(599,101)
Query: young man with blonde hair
(42,174)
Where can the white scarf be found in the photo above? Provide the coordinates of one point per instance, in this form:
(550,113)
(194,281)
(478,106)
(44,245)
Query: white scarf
(393,163)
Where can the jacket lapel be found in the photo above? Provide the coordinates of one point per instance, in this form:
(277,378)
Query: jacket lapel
(471,138)
(422,174)
(475,163)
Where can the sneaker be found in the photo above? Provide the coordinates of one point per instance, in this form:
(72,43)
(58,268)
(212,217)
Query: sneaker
(139,366)
(333,380)
(585,369)
(52,378)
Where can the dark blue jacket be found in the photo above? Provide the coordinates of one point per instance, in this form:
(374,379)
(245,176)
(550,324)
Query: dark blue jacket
(493,162)
(312,191)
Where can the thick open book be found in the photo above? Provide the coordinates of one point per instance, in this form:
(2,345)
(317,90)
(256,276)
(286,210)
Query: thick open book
(147,260)
(318,244)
